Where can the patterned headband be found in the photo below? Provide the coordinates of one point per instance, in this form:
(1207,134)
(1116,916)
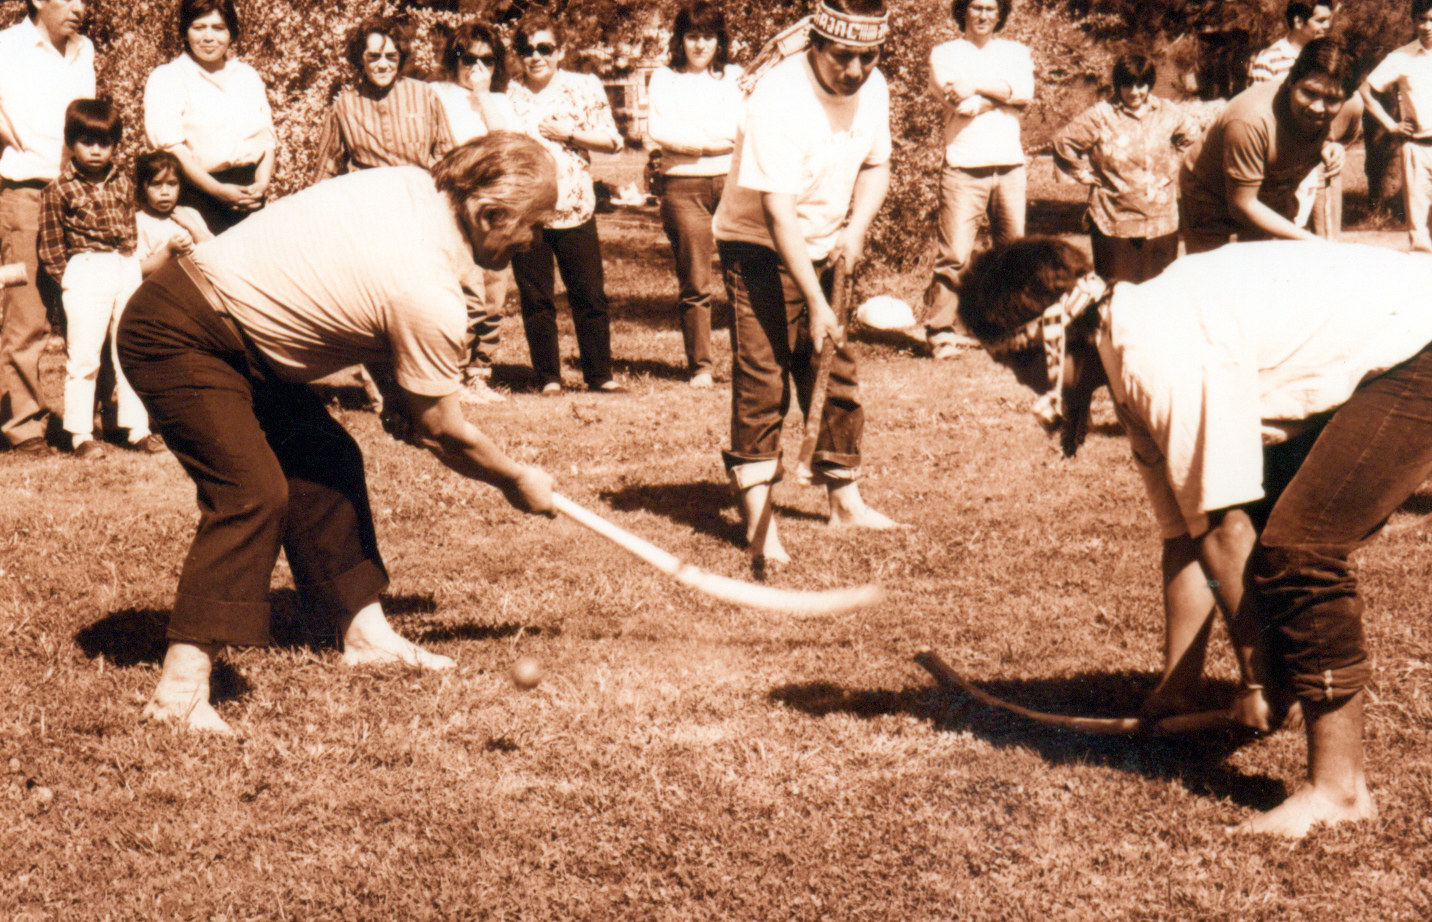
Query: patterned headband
(848,29)
(1049,328)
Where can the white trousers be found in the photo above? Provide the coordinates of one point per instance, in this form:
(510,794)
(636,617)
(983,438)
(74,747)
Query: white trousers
(96,287)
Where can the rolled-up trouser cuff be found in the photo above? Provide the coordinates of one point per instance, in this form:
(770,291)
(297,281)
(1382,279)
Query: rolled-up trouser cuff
(200,620)
(1312,619)
(746,474)
(347,593)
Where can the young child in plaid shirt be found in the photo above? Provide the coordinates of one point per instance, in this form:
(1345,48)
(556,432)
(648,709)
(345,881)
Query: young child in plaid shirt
(87,243)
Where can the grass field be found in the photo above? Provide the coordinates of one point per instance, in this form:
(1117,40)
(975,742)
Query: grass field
(681,759)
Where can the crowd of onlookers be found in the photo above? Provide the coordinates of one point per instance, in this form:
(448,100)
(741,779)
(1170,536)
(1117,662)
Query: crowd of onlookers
(1269,167)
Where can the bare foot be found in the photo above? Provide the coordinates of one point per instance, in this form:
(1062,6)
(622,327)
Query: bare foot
(1308,806)
(763,539)
(848,510)
(183,690)
(369,638)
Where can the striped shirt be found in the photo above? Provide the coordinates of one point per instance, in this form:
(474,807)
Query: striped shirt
(405,127)
(1273,62)
(79,215)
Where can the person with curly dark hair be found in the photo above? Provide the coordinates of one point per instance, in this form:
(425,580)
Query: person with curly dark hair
(384,119)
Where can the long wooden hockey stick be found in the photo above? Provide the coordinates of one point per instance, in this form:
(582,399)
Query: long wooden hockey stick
(1172,725)
(735,591)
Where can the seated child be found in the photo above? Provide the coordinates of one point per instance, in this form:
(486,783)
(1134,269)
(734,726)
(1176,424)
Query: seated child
(86,243)
(166,229)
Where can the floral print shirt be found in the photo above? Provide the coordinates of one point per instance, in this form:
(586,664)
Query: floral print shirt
(581,99)
(1130,163)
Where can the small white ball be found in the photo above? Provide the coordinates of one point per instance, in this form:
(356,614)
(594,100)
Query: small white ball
(526,673)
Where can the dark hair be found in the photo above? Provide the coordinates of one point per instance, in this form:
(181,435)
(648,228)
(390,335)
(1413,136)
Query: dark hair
(1303,9)
(532,23)
(1420,6)
(92,120)
(1326,57)
(149,166)
(511,170)
(960,8)
(385,26)
(1006,287)
(461,40)
(190,10)
(1134,69)
(31,10)
(702,18)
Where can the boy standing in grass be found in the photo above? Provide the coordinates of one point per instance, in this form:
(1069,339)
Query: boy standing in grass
(811,169)
(1278,400)
(87,243)
(1409,69)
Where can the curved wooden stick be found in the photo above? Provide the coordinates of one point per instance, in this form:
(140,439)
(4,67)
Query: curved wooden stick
(1173,725)
(735,591)
(839,295)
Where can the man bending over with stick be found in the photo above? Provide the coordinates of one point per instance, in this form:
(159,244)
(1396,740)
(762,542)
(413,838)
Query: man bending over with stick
(221,345)
(1278,398)
(811,169)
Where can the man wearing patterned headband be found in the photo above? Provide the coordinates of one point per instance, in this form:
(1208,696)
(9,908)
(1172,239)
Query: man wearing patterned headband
(810,172)
(1276,397)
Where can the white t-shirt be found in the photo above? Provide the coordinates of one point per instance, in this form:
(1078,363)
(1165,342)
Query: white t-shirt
(688,112)
(223,117)
(1409,68)
(990,138)
(799,139)
(363,268)
(154,233)
(1231,350)
(465,120)
(37,82)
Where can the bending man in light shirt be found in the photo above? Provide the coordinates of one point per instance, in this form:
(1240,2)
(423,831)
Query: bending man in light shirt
(1278,400)
(220,345)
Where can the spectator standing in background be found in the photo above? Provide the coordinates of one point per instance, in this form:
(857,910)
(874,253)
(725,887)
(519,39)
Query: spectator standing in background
(1126,150)
(1244,179)
(569,114)
(694,110)
(212,112)
(982,84)
(1408,70)
(45,64)
(474,97)
(385,119)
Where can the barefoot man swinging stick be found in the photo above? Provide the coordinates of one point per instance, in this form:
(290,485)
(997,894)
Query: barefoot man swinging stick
(811,169)
(1278,400)
(365,268)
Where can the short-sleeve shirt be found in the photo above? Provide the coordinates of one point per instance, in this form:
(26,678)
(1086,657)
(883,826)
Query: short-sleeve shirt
(1135,159)
(37,82)
(581,99)
(1231,350)
(365,268)
(155,233)
(990,138)
(1254,142)
(1409,68)
(799,139)
(223,116)
(1272,64)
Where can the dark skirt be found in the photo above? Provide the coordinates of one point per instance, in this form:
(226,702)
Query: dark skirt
(217,214)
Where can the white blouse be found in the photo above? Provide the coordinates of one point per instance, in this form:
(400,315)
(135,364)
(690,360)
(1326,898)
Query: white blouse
(223,117)
(688,112)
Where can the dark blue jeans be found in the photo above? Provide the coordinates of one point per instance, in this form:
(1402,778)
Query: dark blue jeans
(1372,454)
(577,252)
(687,205)
(770,348)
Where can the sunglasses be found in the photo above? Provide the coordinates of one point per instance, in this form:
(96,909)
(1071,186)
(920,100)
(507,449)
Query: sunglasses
(545,49)
(472,60)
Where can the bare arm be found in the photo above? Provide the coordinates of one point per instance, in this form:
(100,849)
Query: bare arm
(439,426)
(1379,111)
(1245,208)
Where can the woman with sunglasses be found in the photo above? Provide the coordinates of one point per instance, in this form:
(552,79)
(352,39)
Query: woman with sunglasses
(569,114)
(211,111)
(385,119)
(473,94)
(694,107)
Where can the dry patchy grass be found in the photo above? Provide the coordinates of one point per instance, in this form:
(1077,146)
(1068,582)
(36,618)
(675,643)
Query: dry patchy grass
(681,759)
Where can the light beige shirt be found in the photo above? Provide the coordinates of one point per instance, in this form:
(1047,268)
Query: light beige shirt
(1228,351)
(223,117)
(465,120)
(1408,68)
(37,82)
(990,138)
(363,268)
(688,112)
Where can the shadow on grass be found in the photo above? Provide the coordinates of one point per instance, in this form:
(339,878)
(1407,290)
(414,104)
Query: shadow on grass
(1197,760)
(697,505)
(135,636)
(482,632)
